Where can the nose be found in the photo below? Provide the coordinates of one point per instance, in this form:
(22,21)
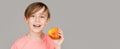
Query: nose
(37,19)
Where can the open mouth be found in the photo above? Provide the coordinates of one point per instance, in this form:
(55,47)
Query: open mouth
(36,25)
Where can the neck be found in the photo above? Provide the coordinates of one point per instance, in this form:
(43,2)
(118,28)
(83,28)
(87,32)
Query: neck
(36,35)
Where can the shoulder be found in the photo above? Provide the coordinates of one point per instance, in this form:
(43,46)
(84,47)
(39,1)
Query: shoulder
(19,42)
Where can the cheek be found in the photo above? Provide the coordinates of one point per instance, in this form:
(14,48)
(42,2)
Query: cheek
(43,21)
(30,21)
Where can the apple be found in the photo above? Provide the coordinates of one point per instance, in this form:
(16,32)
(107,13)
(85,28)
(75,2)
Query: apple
(54,33)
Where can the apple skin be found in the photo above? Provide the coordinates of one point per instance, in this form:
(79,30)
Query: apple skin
(54,33)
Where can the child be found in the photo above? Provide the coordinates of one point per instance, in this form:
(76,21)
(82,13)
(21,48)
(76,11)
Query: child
(37,16)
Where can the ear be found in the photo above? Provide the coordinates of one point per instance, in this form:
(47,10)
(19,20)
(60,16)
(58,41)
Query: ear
(26,20)
(48,20)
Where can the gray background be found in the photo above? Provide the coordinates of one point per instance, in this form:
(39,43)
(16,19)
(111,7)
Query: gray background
(87,24)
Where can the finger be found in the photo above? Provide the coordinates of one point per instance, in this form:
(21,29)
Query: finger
(60,34)
(60,31)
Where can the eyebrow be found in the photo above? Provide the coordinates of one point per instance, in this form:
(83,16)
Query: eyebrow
(41,15)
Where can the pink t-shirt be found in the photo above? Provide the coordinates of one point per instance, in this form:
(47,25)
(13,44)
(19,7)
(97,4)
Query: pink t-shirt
(26,43)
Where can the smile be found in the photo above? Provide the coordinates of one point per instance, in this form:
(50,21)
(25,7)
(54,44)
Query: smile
(36,25)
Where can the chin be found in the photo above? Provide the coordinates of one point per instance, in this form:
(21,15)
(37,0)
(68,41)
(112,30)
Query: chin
(36,30)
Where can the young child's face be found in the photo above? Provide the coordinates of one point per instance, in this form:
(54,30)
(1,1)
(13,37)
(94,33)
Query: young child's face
(38,20)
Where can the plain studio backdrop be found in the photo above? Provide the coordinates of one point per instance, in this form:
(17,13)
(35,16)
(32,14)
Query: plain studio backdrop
(87,24)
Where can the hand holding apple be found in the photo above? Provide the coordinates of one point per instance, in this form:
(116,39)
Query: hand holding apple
(57,35)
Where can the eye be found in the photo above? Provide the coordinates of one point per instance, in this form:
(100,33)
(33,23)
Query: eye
(42,17)
(32,16)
